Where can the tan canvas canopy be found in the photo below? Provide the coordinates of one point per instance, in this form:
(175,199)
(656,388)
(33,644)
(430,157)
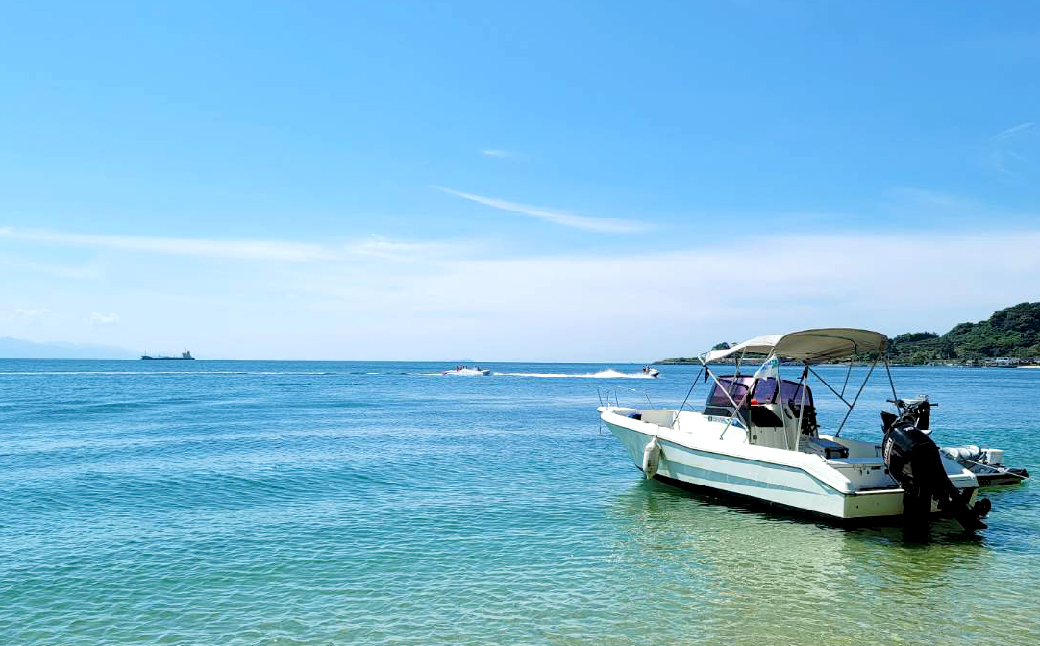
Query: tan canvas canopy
(829,343)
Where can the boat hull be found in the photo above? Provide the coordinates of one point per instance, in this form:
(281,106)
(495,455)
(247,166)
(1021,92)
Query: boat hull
(786,478)
(990,476)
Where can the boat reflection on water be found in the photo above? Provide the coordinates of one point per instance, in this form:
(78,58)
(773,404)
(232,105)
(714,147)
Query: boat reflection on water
(744,572)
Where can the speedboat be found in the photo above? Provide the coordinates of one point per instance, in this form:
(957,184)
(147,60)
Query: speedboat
(466,371)
(987,465)
(757,436)
(651,372)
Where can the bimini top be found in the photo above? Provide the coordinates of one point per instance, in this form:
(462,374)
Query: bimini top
(829,343)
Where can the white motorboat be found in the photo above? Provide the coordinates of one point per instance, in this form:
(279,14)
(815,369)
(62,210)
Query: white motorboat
(758,440)
(987,465)
(650,371)
(466,371)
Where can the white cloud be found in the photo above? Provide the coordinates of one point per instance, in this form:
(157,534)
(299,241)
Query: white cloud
(494,152)
(1004,150)
(562,218)
(29,315)
(97,318)
(643,306)
(401,251)
(50,269)
(1015,130)
(274,250)
(255,250)
(932,198)
(626,303)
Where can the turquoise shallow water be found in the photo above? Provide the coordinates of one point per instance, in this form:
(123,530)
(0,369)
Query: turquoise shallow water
(377,503)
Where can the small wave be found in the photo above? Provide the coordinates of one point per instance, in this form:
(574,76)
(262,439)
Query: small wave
(602,374)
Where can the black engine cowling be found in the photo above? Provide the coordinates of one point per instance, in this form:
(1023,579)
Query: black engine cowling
(913,460)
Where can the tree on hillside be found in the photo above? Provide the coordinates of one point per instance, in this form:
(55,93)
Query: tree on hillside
(1014,331)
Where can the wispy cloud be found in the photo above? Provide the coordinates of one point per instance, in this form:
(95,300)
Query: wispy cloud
(96,318)
(552,314)
(214,248)
(496,152)
(562,218)
(1003,159)
(29,315)
(432,309)
(932,198)
(925,207)
(50,269)
(399,250)
(848,285)
(1015,130)
(256,250)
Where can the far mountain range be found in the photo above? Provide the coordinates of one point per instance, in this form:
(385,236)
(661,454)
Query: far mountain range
(13,348)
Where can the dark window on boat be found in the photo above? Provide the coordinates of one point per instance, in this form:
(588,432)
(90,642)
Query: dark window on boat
(790,392)
(765,389)
(737,389)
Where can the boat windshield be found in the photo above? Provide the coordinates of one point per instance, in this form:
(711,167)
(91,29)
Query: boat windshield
(765,391)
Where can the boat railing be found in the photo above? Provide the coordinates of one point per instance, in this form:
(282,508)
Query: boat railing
(608,393)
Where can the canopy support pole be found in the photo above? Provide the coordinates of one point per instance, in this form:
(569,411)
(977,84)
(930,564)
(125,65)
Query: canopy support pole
(716,380)
(824,382)
(892,385)
(848,374)
(801,407)
(778,398)
(856,398)
(693,385)
(736,408)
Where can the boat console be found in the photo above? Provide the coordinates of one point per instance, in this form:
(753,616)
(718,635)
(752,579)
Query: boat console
(774,417)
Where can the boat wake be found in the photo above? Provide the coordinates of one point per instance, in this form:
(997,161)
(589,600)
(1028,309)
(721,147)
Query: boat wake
(602,374)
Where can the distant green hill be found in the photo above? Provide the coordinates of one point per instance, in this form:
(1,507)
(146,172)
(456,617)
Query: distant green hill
(1010,332)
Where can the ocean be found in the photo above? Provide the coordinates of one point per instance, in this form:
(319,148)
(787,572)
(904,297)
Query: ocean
(252,502)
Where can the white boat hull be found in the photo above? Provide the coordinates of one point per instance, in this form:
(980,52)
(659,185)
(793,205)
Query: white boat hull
(842,489)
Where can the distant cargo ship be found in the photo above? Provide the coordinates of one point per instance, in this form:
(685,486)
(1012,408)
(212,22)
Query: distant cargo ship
(185,356)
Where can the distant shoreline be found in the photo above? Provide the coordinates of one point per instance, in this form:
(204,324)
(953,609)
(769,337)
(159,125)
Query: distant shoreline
(1009,338)
(856,364)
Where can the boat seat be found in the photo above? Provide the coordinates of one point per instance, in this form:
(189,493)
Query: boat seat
(826,449)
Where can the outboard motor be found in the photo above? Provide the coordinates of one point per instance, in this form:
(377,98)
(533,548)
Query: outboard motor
(913,460)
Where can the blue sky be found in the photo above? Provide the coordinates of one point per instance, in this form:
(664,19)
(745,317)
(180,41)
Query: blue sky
(516,181)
